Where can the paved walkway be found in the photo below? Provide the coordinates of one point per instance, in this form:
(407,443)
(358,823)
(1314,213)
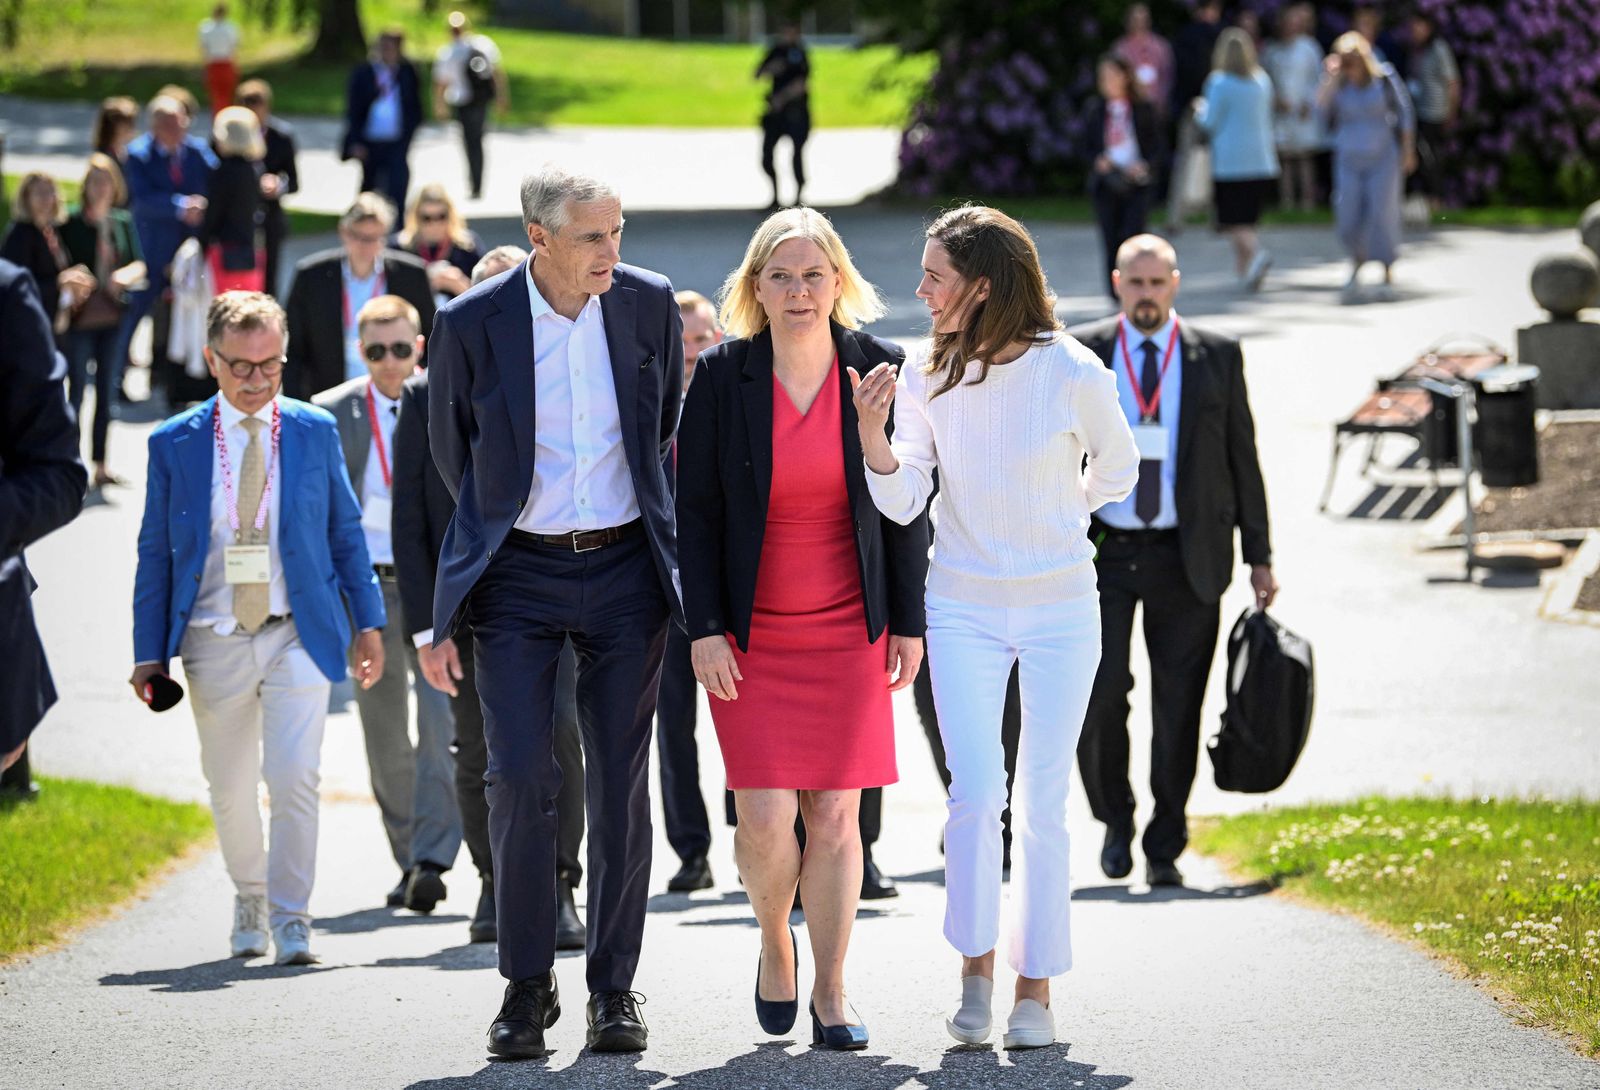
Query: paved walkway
(1422,687)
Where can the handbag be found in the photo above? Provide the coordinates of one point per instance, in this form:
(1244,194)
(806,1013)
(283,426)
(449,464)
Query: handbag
(1268,714)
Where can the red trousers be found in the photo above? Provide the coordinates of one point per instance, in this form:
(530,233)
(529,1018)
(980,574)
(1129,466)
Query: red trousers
(221,79)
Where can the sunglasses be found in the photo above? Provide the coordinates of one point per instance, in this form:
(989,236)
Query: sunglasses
(400,350)
(432,217)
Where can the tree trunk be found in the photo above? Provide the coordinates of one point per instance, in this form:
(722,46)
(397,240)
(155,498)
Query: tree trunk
(339,33)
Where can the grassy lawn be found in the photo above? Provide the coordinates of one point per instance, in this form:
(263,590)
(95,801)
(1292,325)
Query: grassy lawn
(1509,890)
(87,49)
(80,849)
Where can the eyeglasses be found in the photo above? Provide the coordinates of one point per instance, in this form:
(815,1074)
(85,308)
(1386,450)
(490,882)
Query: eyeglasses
(432,217)
(242,368)
(400,350)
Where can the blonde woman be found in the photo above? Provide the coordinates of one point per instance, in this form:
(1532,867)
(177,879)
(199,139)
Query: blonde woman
(804,604)
(1236,115)
(233,209)
(1005,407)
(437,233)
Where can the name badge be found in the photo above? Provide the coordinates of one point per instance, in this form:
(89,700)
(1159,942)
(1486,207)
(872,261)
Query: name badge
(375,514)
(1151,439)
(246,564)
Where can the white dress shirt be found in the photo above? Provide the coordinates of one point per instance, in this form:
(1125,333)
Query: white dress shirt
(375,502)
(213,605)
(357,293)
(1121,514)
(385,120)
(580,470)
(219,39)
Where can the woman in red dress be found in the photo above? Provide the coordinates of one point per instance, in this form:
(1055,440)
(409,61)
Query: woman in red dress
(803,603)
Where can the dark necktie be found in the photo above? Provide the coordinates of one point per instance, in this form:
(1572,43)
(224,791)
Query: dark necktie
(1147,495)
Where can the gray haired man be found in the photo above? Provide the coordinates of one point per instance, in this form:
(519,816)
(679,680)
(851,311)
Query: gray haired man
(553,406)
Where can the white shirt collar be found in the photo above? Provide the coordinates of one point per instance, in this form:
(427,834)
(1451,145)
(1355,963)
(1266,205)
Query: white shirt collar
(543,309)
(380,399)
(231,416)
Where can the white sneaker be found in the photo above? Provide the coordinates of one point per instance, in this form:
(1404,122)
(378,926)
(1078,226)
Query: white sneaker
(972,1024)
(1257,272)
(1031,1026)
(293,940)
(1385,293)
(249,939)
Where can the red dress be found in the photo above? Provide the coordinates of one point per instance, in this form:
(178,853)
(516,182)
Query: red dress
(813,712)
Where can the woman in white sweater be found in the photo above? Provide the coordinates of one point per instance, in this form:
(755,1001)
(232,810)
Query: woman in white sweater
(1005,406)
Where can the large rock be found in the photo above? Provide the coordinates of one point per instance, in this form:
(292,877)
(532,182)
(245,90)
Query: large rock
(1565,283)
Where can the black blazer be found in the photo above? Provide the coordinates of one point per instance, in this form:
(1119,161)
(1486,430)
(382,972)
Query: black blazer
(1147,129)
(41,489)
(421,509)
(25,245)
(233,210)
(1219,484)
(363,92)
(280,160)
(725,477)
(316,316)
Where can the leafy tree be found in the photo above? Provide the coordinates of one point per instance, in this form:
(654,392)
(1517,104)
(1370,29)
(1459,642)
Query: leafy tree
(340,36)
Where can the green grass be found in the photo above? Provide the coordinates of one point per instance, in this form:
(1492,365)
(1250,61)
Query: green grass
(87,49)
(79,849)
(1510,890)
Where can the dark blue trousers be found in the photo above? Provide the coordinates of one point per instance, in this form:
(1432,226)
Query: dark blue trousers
(682,805)
(609,601)
(386,170)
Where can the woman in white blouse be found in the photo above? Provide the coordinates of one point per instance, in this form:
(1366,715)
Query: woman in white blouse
(1005,406)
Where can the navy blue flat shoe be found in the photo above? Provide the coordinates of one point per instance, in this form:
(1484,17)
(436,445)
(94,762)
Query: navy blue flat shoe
(846,1038)
(777,1015)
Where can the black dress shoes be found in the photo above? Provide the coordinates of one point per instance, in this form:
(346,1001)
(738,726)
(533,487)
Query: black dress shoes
(615,1024)
(483,928)
(425,887)
(396,897)
(875,885)
(1116,857)
(531,1006)
(694,874)
(1163,872)
(570,932)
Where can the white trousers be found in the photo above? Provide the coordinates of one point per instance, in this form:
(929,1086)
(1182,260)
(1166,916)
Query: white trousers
(260,704)
(971,649)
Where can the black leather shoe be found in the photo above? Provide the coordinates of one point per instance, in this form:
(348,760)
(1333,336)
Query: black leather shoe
(1116,857)
(615,1024)
(777,1015)
(396,897)
(1163,872)
(845,1038)
(425,889)
(875,885)
(482,928)
(570,932)
(694,874)
(531,1006)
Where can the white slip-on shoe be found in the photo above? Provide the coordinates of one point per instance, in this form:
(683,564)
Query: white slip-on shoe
(1031,1026)
(249,938)
(293,940)
(1257,272)
(972,1024)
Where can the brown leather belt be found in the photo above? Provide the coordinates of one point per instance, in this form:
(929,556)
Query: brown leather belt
(581,541)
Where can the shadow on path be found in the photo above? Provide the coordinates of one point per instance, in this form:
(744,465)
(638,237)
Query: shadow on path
(375,919)
(475,955)
(210,976)
(1131,895)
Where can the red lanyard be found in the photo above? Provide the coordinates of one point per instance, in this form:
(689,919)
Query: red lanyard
(377,437)
(1147,410)
(430,254)
(344,296)
(227,468)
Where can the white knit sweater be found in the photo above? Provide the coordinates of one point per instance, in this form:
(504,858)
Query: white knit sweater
(1012,514)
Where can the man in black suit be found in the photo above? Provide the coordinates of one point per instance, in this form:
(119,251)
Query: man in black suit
(577,357)
(42,481)
(330,288)
(422,509)
(280,176)
(383,108)
(1168,546)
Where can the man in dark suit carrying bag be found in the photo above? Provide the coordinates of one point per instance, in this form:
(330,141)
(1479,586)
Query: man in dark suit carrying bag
(553,405)
(1168,547)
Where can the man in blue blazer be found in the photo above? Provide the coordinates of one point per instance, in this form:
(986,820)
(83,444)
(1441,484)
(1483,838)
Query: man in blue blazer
(252,563)
(553,405)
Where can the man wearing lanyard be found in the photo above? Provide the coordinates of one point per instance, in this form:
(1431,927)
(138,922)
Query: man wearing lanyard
(1169,547)
(330,288)
(414,786)
(251,567)
(383,109)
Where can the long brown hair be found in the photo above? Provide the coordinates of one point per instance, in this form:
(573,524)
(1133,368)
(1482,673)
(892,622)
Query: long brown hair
(986,244)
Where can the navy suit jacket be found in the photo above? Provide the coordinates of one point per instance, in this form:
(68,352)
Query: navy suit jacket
(41,489)
(480,418)
(153,196)
(320,543)
(363,92)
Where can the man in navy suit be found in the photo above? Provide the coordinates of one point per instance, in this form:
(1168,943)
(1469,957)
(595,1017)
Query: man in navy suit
(383,108)
(552,412)
(251,564)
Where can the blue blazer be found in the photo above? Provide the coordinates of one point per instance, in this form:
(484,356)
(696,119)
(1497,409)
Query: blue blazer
(480,418)
(153,198)
(320,542)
